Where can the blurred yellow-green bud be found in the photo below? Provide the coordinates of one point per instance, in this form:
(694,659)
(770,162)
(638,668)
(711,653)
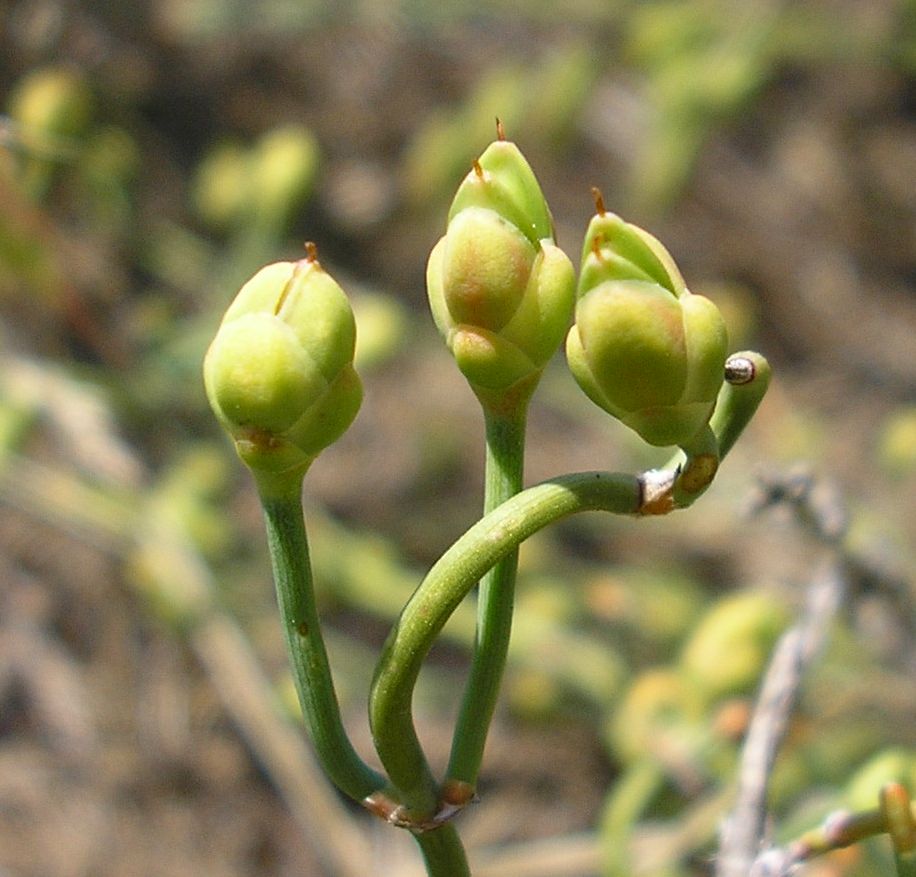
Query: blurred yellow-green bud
(51,109)
(897,442)
(279,374)
(500,290)
(895,764)
(730,648)
(660,713)
(643,347)
(220,189)
(264,185)
(283,170)
(52,101)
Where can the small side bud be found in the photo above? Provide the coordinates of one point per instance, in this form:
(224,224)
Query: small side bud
(279,373)
(729,649)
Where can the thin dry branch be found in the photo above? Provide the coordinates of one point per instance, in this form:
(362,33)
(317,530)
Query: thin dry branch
(820,509)
(744,832)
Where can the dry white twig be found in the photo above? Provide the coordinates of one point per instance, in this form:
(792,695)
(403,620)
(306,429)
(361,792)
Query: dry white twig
(744,832)
(819,507)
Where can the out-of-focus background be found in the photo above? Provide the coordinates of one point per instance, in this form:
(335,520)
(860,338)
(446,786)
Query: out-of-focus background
(154,155)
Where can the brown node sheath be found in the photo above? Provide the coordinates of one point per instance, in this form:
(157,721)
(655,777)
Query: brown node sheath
(500,131)
(656,492)
(478,170)
(599,201)
(311,251)
(457,794)
(698,473)
(381,805)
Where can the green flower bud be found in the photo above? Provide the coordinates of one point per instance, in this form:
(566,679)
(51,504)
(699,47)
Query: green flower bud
(221,186)
(279,373)
(283,171)
(660,713)
(728,651)
(500,290)
(52,101)
(643,347)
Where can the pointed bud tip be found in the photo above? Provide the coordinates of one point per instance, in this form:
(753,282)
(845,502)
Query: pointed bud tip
(599,201)
(500,130)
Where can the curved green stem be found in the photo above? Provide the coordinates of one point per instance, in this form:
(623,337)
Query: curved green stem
(493,538)
(447,583)
(842,829)
(898,814)
(292,570)
(496,600)
(443,853)
(628,800)
(747,377)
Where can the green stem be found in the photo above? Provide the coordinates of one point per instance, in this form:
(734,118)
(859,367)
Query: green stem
(496,599)
(898,814)
(292,570)
(443,853)
(840,830)
(447,583)
(486,543)
(629,798)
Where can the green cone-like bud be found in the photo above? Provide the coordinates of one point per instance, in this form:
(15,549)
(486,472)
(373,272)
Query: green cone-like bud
(279,374)
(729,649)
(643,347)
(500,290)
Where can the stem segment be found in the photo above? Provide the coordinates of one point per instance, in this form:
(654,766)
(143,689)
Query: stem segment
(443,853)
(448,582)
(490,540)
(496,600)
(292,570)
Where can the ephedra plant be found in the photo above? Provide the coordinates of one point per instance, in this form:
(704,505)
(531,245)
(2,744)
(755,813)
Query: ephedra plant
(280,378)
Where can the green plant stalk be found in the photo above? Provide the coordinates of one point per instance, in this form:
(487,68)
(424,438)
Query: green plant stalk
(631,794)
(698,469)
(840,830)
(748,377)
(443,853)
(505,436)
(288,545)
(898,814)
(447,583)
(489,541)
